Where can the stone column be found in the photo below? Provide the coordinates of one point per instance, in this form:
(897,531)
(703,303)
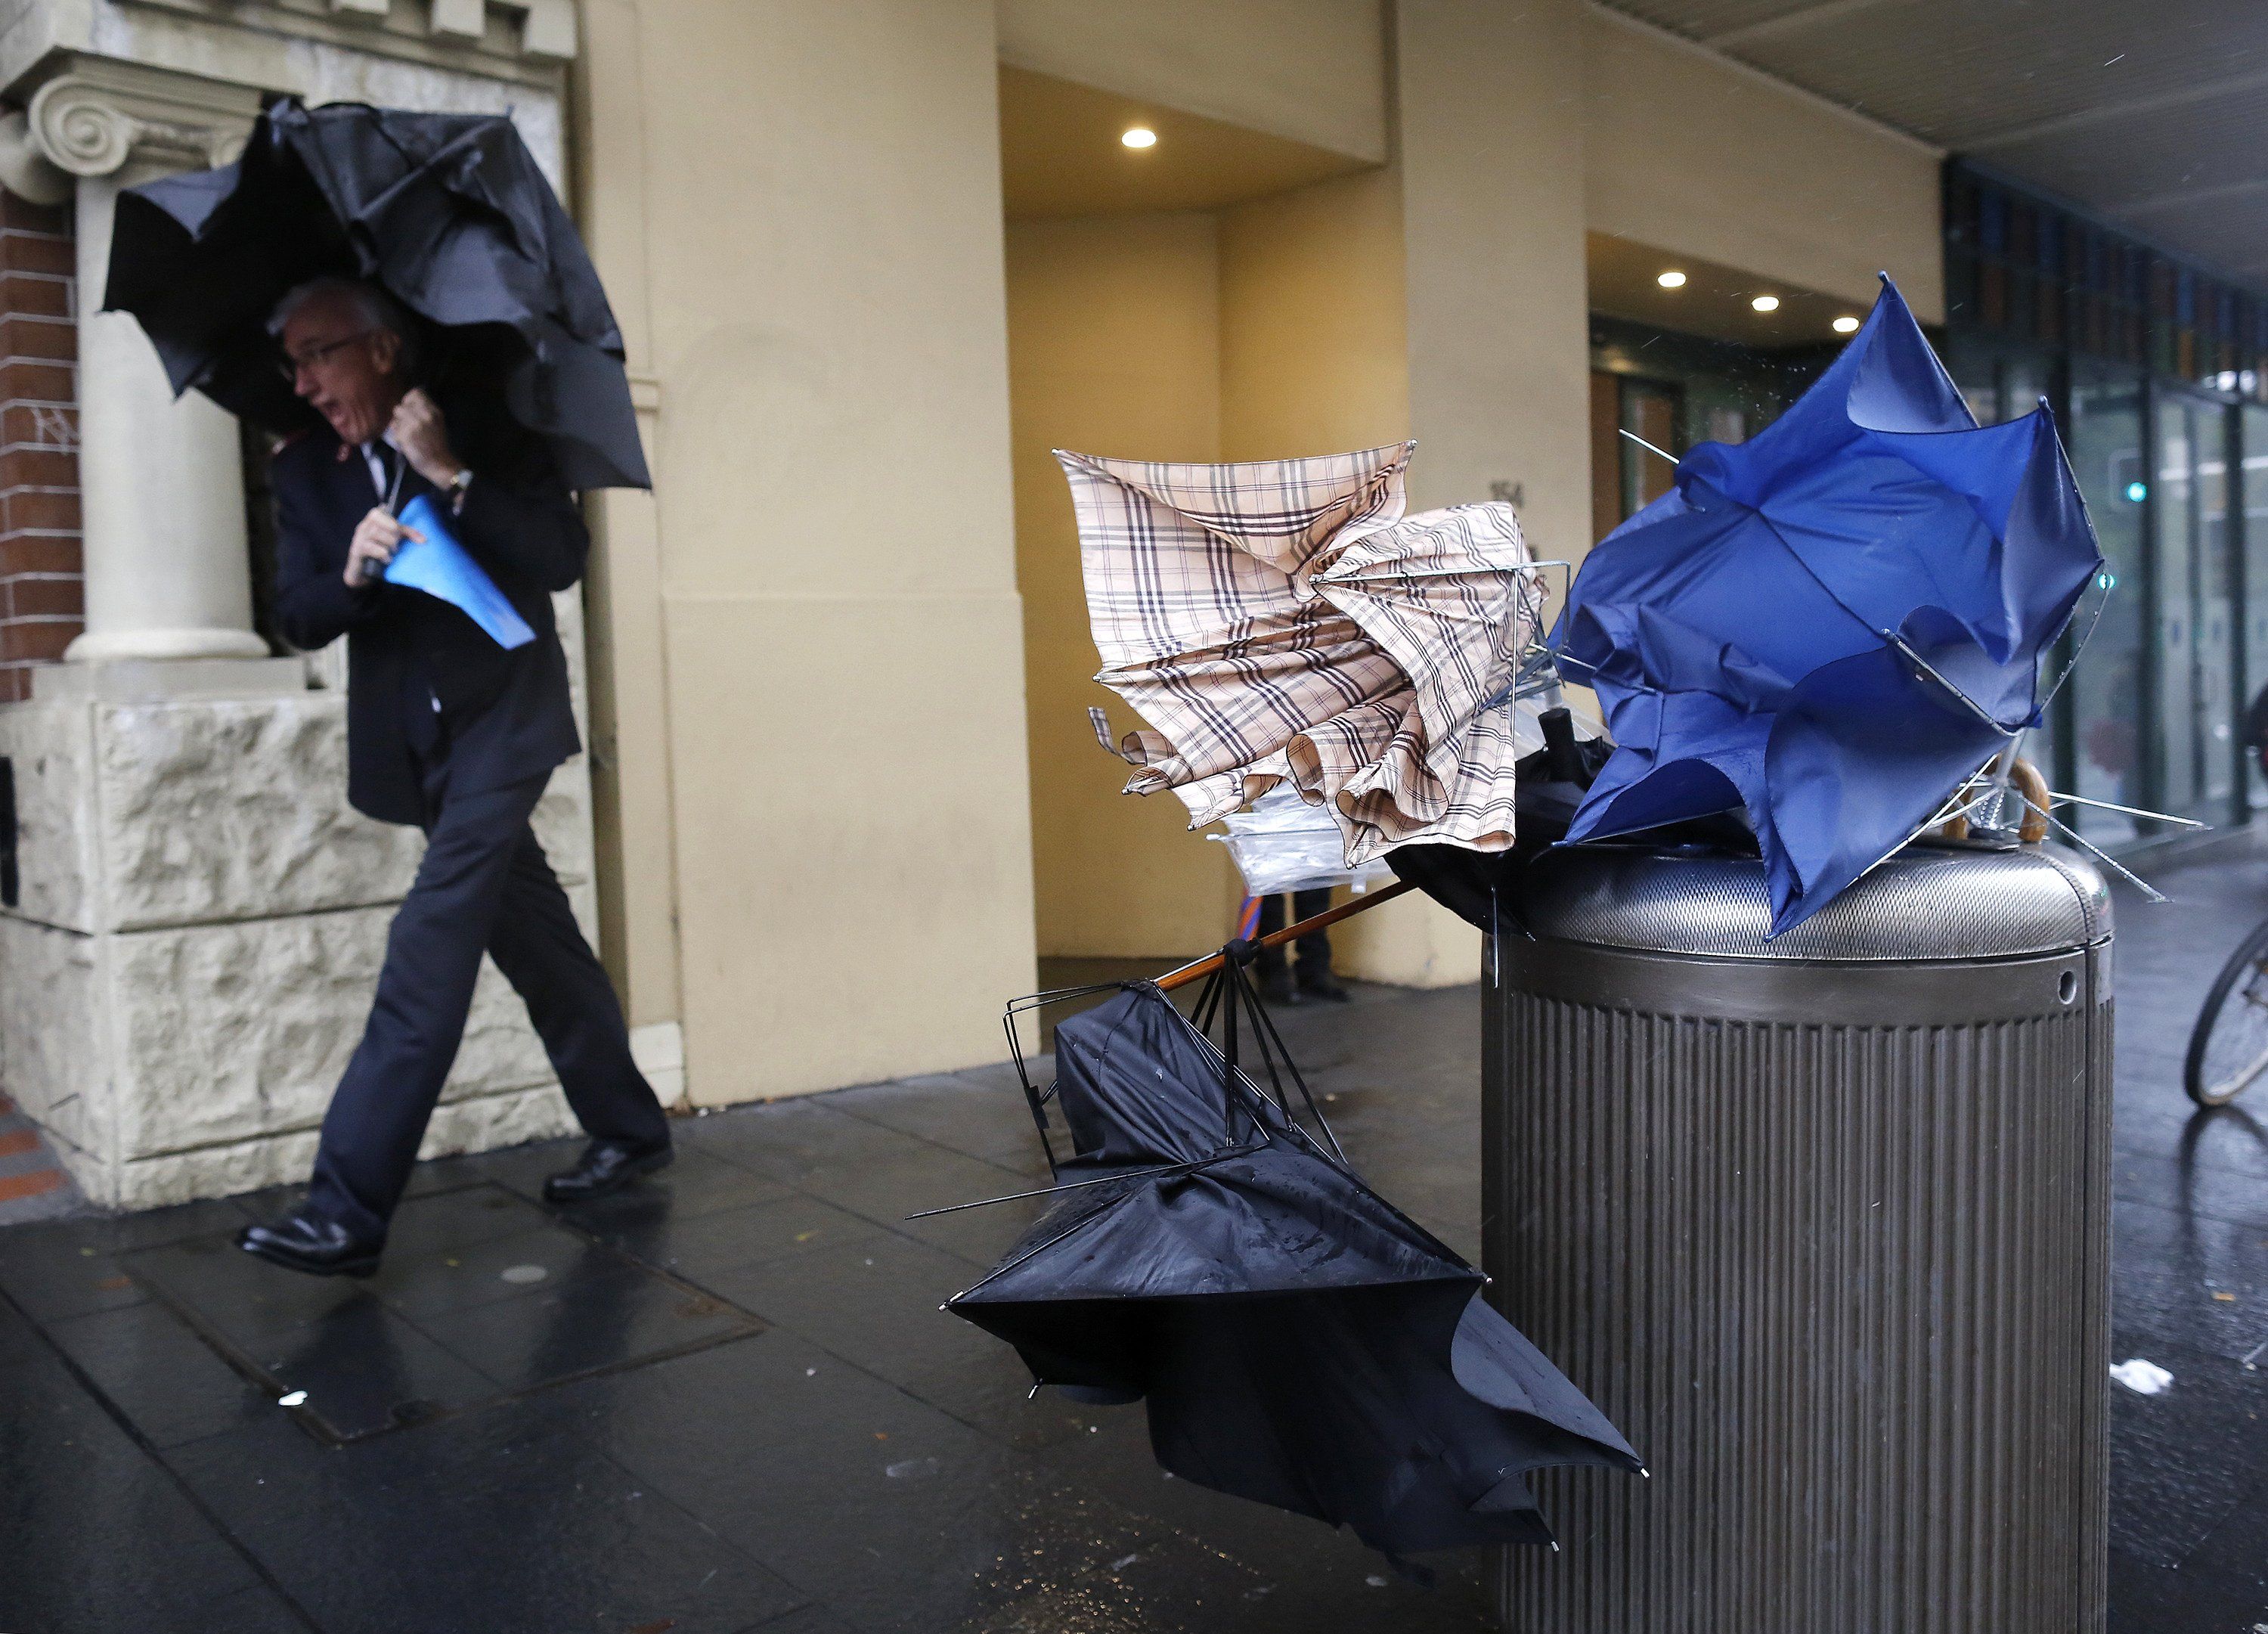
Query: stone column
(162,480)
(166,574)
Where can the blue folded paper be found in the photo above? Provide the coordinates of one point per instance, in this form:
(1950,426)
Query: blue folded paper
(436,564)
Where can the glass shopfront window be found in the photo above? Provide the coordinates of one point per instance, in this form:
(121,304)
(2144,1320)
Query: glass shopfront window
(2104,694)
(2218,589)
(2252,518)
(2197,591)
(2160,372)
(2174,573)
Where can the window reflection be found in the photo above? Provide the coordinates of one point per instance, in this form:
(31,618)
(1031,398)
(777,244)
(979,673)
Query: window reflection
(2104,442)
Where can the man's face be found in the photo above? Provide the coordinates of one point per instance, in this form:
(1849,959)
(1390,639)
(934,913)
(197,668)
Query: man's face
(344,368)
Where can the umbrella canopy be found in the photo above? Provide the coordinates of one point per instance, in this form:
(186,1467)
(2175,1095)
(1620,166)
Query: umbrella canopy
(1833,624)
(1298,1339)
(448,212)
(1285,618)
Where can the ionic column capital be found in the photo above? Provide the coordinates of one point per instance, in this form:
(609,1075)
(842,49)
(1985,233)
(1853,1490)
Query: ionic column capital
(100,114)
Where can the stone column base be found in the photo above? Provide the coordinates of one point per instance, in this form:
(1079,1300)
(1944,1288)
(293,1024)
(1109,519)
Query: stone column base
(198,932)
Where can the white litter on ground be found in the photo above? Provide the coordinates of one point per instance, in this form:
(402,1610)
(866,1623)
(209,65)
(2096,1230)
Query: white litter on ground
(2142,1377)
(523,1273)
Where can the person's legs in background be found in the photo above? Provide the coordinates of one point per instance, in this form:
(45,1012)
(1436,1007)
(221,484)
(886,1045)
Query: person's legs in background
(1314,979)
(1274,966)
(1281,982)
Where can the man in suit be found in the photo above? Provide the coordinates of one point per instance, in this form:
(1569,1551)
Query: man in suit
(448,730)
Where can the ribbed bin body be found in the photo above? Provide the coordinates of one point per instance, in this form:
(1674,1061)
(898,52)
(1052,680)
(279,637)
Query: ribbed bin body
(1823,1223)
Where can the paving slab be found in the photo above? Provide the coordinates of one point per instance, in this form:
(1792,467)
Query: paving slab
(96,1536)
(483,1296)
(552,1435)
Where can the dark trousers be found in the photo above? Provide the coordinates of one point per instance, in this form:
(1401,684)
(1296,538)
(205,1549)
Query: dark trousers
(1315,948)
(484,885)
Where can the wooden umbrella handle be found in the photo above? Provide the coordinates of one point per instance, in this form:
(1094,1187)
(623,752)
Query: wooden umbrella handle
(1329,917)
(2035,788)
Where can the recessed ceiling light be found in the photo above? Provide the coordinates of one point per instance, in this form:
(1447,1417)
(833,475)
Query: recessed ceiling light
(1766,303)
(1846,326)
(1140,137)
(1671,280)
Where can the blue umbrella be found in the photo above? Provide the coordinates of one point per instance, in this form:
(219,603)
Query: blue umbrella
(1833,624)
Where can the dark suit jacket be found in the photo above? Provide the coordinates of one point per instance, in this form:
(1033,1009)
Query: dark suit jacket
(504,717)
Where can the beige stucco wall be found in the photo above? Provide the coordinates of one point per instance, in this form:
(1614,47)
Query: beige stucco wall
(1309,69)
(797,210)
(630,714)
(818,239)
(1491,168)
(1314,358)
(1313,342)
(1114,348)
(1691,153)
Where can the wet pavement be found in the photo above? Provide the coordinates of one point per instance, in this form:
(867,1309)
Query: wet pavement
(726,1401)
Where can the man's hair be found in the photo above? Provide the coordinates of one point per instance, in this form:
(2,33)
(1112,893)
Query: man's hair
(371,304)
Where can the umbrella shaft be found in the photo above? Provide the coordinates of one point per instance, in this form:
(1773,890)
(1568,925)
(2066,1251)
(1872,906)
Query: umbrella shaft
(1211,962)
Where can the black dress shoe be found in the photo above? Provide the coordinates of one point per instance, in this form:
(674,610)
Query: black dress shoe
(306,1242)
(1323,985)
(1275,986)
(605,1166)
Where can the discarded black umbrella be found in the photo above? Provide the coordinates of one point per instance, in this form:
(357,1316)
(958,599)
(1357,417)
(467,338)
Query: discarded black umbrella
(448,212)
(1299,1340)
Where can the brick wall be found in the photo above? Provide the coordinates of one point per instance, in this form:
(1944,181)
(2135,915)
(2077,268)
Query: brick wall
(40,605)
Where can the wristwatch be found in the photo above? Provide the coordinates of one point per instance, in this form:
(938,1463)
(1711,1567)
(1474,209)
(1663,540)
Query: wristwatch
(458,484)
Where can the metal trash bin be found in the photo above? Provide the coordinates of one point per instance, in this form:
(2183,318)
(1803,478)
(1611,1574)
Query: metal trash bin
(1823,1223)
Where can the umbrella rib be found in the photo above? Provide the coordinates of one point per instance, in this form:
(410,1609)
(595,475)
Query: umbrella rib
(1002,1268)
(1892,637)
(1395,576)
(2076,651)
(2130,811)
(1036,1100)
(1649,447)
(1006,1266)
(2097,852)
(1299,1079)
(1952,806)
(1924,666)
(1100,1180)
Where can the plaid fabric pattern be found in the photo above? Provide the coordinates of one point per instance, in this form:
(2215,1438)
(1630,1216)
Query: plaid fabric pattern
(1284,619)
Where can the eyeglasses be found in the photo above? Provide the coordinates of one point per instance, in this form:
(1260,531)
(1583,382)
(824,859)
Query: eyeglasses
(290,367)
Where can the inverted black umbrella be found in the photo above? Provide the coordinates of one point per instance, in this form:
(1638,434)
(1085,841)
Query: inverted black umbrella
(1299,1340)
(1486,887)
(448,212)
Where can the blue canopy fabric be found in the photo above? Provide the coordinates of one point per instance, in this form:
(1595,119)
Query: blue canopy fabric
(1833,624)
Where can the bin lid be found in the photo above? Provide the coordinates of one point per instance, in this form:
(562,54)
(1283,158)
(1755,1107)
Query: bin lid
(1926,902)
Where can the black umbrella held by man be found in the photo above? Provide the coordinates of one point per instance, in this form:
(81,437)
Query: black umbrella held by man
(447,213)
(1299,1340)
(402,298)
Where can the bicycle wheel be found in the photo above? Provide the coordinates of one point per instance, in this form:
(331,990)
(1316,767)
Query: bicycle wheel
(2228,1050)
